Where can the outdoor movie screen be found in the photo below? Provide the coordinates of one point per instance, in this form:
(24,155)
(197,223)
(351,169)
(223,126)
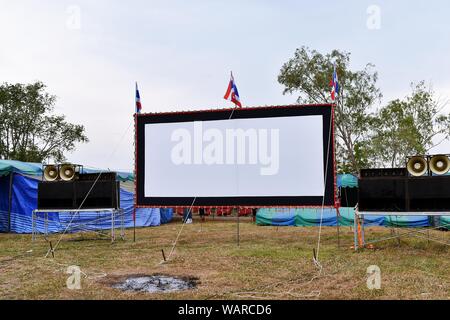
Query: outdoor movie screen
(254,157)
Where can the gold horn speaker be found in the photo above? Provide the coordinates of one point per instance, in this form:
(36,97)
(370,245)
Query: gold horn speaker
(50,173)
(439,164)
(67,172)
(417,166)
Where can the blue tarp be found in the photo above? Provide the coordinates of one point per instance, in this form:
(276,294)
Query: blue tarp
(407,221)
(24,201)
(166,215)
(348,218)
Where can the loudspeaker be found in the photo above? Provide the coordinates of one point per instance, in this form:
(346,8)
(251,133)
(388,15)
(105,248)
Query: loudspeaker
(71,195)
(439,164)
(417,166)
(50,173)
(404,194)
(67,172)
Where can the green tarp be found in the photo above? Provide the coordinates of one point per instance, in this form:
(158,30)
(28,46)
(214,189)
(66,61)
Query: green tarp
(25,168)
(445,222)
(35,169)
(309,217)
(347,181)
(121,176)
(312,217)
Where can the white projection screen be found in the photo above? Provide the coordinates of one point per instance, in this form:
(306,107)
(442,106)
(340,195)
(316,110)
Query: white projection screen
(253,157)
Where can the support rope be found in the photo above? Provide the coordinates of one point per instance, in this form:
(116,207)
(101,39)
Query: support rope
(316,256)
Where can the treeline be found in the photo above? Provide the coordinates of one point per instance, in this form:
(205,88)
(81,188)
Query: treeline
(368,134)
(29,128)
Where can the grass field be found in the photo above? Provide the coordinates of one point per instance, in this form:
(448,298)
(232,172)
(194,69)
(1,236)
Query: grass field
(271,263)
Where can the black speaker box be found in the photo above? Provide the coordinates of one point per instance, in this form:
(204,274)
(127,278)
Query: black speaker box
(102,194)
(56,195)
(404,194)
(78,194)
(429,193)
(382,194)
(104,176)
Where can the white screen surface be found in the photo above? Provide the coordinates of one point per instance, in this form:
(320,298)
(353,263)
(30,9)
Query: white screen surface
(281,156)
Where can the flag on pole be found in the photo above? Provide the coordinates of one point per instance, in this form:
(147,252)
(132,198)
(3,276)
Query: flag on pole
(334,84)
(138,100)
(232,92)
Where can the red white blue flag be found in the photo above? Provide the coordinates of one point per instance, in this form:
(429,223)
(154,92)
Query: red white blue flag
(138,100)
(334,85)
(232,92)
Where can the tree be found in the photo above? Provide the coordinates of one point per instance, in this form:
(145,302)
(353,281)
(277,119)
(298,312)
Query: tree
(409,127)
(29,131)
(309,73)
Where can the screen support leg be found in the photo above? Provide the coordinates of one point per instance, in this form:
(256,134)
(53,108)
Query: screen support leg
(338,227)
(122,224)
(113,216)
(33,218)
(238,229)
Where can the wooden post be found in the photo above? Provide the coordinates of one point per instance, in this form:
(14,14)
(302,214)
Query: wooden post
(355,228)
(51,249)
(360,232)
(134,223)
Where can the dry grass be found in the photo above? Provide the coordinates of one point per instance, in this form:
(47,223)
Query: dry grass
(271,263)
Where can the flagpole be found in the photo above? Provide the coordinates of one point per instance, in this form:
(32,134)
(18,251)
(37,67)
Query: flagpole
(337,204)
(238,231)
(238,224)
(135,176)
(135,163)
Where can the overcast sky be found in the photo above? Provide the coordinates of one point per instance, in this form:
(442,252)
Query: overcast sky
(90,53)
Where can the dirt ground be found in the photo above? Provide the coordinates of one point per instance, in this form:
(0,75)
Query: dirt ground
(270,263)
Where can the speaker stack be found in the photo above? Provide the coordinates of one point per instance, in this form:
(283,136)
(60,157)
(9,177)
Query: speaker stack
(65,187)
(423,186)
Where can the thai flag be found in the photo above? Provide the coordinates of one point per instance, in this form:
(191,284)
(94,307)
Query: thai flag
(232,92)
(334,85)
(138,100)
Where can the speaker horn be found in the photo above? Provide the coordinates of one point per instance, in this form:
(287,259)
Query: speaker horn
(67,172)
(51,173)
(417,166)
(439,164)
